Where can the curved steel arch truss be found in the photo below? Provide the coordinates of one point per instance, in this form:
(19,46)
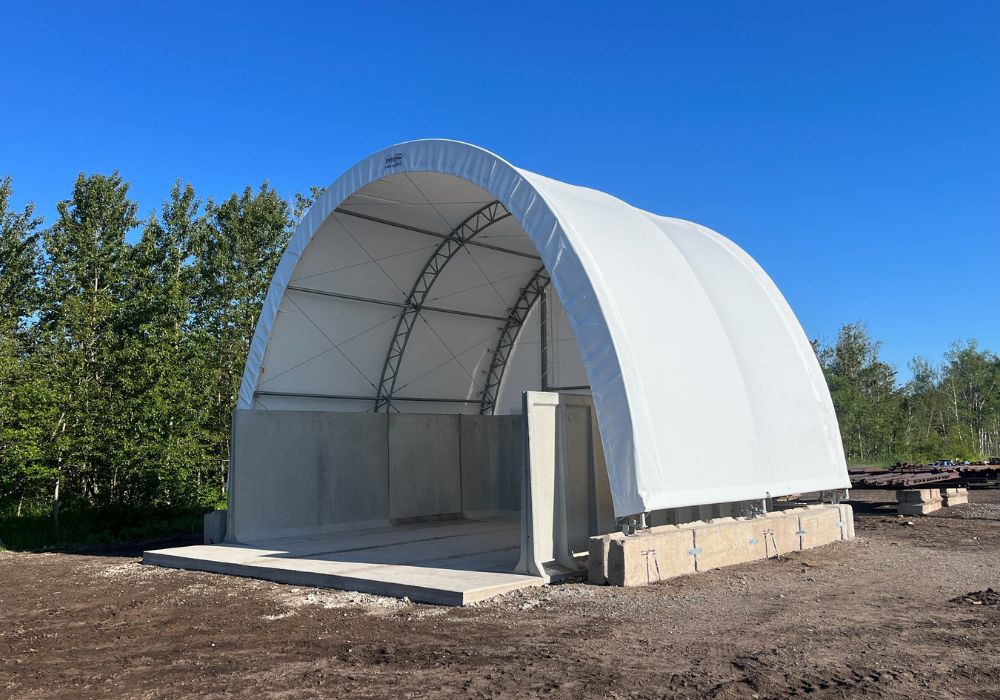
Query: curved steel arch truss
(446,250)
(531,293)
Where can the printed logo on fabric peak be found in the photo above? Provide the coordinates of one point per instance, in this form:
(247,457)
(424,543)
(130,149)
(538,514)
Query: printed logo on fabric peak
(393,161)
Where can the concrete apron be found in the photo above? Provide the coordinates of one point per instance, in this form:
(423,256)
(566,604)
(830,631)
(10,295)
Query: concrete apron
(444,563)
(663,552)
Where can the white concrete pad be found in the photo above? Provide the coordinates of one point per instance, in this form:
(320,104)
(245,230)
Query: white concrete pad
(447,563)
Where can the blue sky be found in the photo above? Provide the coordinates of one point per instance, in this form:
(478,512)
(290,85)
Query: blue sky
(852,148)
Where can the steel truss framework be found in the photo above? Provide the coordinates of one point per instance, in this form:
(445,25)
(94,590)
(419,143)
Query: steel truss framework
(450,245)
(532,291)
(461,236)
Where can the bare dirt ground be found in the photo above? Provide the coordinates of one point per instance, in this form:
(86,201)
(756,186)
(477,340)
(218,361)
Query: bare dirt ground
(889,615)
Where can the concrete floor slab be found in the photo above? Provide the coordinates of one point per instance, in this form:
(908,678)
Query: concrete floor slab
(447,563)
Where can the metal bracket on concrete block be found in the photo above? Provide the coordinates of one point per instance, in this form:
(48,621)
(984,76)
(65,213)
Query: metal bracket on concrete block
(695,551)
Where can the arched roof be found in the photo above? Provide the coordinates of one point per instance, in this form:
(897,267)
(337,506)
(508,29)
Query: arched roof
(406,286)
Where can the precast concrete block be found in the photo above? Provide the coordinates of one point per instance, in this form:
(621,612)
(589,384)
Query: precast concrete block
(846,521)
(780,530)
(597,560)
(955,497)
(725,541)
(918,495)
(651,556)
(918,508)
(819,525)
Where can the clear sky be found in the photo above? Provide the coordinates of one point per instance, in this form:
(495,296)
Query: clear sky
(853,148)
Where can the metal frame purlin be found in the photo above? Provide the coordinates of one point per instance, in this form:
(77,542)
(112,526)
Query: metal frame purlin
(532,291)
(459,237)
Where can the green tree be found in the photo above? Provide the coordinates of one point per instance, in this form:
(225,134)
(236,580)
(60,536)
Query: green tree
(18,260)
(865,395)
(166,382)
(970,379)
(236,254)
(25,401)
(83,323)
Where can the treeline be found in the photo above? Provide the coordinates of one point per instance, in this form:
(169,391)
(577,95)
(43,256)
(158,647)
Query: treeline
(946,410)
(119,360)
(122,344)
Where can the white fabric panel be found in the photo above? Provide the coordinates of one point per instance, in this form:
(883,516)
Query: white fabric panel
(443,357)
(565,364)
(524,367)
(705,387)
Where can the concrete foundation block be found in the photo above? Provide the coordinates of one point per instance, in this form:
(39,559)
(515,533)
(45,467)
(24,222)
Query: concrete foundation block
(672,550)
(215,526)
(726,541)
(820,525)
(846,521)
(597,561)
(651,556)
(781,532)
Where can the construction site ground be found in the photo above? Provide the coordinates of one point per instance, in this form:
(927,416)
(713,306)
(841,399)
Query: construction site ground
(903,611)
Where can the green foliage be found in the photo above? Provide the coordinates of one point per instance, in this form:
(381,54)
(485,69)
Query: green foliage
(89,526)
(120,362)
(951,411)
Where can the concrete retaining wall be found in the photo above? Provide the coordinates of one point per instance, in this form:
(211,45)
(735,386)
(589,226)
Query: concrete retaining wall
(492,453)
(312,472)
(425,471)
(673,550)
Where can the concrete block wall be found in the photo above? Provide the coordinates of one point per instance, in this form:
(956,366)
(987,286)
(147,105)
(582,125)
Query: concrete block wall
(673,550)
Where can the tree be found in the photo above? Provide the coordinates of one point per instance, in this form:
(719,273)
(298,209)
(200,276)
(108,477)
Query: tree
(236,254)
(24,399)
(18,260)
(864,393)
(971,380)
(85,292)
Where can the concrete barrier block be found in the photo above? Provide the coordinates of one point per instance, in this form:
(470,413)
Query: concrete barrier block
(726,541)
(597,561)
(918,495)
(651,556)
(781,532)
(819,525)
(846,521)
(918,508)
(955,497)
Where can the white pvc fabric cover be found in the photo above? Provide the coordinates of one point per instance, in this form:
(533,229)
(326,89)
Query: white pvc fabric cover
(705,386)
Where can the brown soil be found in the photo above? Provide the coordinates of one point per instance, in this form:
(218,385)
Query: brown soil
(884,616)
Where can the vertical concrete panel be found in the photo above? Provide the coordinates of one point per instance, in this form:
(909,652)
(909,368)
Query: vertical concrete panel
(492,452)
(604,507)
(424,465)
(542,515)
(511,462)
(297,472)
(575,445)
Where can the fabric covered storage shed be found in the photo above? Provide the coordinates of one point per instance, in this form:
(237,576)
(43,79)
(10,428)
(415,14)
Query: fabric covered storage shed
(433,284)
